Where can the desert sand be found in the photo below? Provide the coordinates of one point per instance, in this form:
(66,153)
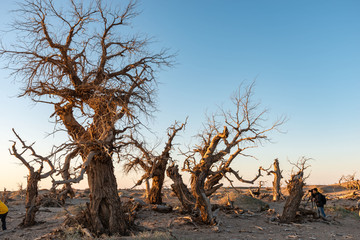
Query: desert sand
(250,219)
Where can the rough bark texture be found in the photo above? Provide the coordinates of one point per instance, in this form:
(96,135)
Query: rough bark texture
(295,189)
(212,184)
(105,206)
(277,181)
(202,201)
(155,195)
(201,172)
(31,201)
(180,189)
(158,177)
(105,213)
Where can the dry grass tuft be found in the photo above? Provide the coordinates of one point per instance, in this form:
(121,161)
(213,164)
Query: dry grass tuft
(153,236)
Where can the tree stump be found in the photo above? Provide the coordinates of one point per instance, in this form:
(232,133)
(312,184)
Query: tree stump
(295,188)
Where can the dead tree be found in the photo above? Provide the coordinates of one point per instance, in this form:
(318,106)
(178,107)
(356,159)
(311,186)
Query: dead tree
(67,190)
(256,192)
(210,161)
(182,192)
(5,196)
(154,165)
(295,189)
(32,201)
(350,182)
(100,83)
(277,180)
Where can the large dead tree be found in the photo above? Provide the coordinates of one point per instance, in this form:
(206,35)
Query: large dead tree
(81,58)
(154,165)
(32,201)
(295,189)
(210,161)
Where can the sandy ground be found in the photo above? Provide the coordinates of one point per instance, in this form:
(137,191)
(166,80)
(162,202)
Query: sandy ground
(248,223)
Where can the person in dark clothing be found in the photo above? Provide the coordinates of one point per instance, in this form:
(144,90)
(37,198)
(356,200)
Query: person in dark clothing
(319,200)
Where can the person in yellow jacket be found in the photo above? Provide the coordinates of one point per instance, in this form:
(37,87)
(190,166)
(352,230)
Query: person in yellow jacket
(3,212)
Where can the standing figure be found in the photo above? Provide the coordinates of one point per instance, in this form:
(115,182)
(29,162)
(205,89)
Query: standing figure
(3,212)
(320,201)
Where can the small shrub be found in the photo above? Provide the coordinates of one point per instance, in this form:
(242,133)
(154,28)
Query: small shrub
(340,211)
(71,233)
(74,210)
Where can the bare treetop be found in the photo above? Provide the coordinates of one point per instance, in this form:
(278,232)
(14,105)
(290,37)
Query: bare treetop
(239,129)
(82,56)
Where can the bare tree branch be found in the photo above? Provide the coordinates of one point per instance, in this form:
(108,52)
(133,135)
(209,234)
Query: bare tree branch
(26,163)
(221,143)
(82,172)
(154,165)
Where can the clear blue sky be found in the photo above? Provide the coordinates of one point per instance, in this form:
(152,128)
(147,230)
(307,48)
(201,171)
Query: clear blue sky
(304,55)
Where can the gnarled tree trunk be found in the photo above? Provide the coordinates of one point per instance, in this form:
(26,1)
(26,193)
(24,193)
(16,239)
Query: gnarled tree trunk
(277,181)
(67,190)
(182,192)
(155,195)
(158,176)
(202,201)
(105,209)
(31,202)
(295,189)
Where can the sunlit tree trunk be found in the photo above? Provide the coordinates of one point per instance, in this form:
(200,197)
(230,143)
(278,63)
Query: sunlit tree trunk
(105,206)
(31,201)
(202,201)
(277,181)
(292,204)
(155,195)
(180,189)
